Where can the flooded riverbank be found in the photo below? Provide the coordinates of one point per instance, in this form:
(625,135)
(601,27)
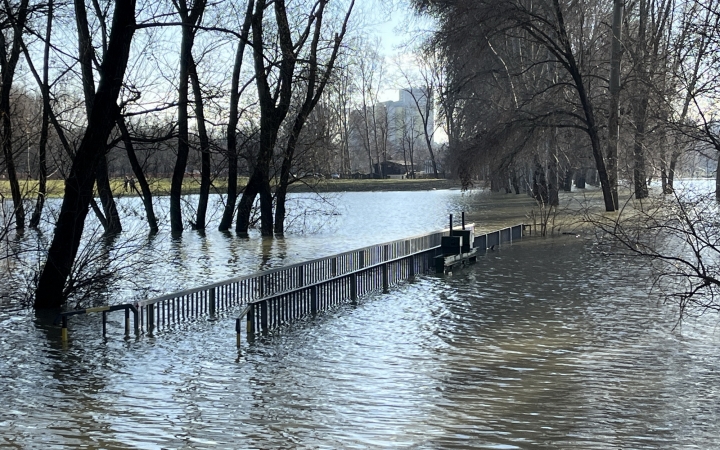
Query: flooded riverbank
(544,344)
(548,343)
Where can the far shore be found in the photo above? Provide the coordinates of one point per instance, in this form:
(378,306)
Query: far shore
(161,186)
(488,210)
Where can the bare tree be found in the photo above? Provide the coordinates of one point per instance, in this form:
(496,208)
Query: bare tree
(15,19)
(190,16)
(234,115)
(369,81)
(145,192)
(567,33)
(317,74)
(423,88)
(614,109)
(79,184)
(45,126)
(274,80)
(111,218)
(697,79)
(679,237)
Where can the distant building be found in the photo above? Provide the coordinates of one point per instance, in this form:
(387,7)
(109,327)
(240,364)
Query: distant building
(405,117)
(397,132)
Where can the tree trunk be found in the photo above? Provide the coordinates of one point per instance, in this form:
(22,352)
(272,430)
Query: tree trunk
(44,128)
(7,66)
(614,111)
(580,179)
(717,180)
(106,197)
(85,52)
(229,210)
(663,168)
(139,175)
(189,18)
(50,291)
(516,184)
(540,185)
(204,149)
(641,189)
(567,181)
(315,86)
(642,70)
(245,205)
(553,170)
(274,106)
(671,171)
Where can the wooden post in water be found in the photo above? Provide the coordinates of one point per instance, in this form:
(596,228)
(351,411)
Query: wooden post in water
(353,287)
(451,224)
(385,278)
(137,319)
(263,316)
(64,330)
(313,300)
(463,220)
(251,320)
(151,318)
(212,302)
(237,331)
(104,320)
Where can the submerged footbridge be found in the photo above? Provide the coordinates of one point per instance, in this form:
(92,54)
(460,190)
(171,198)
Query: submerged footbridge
(276,297)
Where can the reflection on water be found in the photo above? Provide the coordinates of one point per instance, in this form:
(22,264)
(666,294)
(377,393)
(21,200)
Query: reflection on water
(545,344)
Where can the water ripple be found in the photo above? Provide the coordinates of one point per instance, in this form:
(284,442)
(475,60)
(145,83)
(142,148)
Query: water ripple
(540,345)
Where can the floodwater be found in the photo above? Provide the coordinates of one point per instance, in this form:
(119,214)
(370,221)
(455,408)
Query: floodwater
(545,344)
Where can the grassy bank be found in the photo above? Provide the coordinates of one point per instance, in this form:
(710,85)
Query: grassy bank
(161,186)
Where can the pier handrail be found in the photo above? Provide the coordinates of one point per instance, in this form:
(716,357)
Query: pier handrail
(290,267)
(272,284)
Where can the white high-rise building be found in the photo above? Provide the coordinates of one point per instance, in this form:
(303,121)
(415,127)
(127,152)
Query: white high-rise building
(392,131)
(406,122)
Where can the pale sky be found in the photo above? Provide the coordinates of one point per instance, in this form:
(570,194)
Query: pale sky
(394,29)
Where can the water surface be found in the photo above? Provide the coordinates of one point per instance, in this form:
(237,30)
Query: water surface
(549,343)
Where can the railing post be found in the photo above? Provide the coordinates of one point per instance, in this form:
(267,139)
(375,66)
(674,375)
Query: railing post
(333,267)
(64,330)
(385,278)
(136,321)
(411,268)
(353,287)
(212,302)
(150,317)
(361,259)
(301,276)
(127,321)
(251,320)
(263,315)
(313,300)
(238,330)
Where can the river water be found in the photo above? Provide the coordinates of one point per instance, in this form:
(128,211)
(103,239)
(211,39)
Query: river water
(548,343)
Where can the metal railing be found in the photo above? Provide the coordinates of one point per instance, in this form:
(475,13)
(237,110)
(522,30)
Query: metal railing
(279,296)
(162,312)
